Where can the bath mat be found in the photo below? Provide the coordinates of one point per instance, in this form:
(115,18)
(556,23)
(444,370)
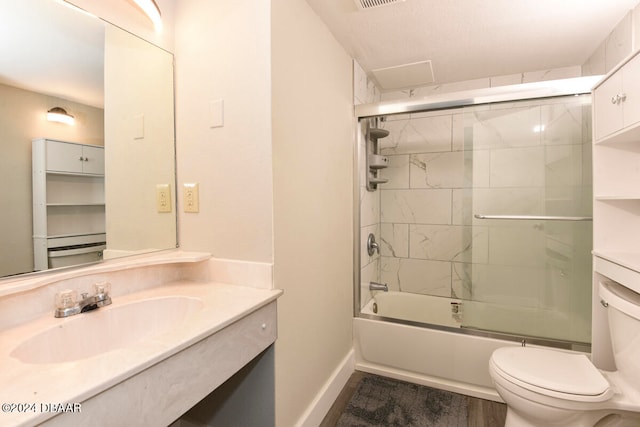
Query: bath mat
(383,402)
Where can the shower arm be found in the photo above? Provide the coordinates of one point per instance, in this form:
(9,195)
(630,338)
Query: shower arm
(535,217)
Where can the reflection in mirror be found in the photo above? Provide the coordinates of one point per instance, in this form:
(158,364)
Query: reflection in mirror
(119,89)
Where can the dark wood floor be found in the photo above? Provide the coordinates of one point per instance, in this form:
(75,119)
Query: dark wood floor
(482,413)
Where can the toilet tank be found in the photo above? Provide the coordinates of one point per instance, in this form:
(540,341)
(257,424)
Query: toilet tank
(623,311)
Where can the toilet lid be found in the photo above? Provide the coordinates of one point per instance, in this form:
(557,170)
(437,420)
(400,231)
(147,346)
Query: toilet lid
(551,370)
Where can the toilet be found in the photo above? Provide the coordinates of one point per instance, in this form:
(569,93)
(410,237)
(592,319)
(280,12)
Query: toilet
(544,387)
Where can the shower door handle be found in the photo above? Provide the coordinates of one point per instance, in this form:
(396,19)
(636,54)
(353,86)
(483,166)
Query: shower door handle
(535,217)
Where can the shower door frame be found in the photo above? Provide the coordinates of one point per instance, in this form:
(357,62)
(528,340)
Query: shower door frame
(520,92)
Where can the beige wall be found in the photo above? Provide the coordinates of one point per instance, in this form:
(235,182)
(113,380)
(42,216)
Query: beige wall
(313,131)
(273,64)
(23,116)
(223,53)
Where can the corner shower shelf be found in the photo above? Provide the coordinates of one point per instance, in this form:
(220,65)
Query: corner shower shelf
(375,161)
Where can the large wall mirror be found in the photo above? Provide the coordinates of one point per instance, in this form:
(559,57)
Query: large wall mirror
(119,89)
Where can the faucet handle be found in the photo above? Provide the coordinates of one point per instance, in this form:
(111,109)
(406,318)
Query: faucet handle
(102,288)
(66,298)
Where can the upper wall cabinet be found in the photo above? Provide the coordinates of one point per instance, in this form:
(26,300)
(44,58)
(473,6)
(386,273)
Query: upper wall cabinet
(617,101)
(616,171)
(66,157)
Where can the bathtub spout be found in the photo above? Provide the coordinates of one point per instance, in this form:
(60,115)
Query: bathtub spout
(375,286)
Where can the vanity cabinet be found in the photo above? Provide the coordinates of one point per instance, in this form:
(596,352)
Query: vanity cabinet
(68,203)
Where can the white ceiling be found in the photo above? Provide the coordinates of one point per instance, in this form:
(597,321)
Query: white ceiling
(470,39)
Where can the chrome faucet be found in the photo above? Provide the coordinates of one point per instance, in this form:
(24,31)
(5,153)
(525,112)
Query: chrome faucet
(375,286)
(67,303)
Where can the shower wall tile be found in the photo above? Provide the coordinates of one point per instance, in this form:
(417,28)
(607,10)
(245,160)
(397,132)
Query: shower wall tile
(420,135)
(437,170)
(436,89)
(508,201)
(481,168)
(364,90)
(507,246)
(500,128)
(619,44)
(517,167)
(369,273)
(457,132)
(595,65)
(359,84)
(416,206)
(417,276)
(394,240)
(369,207)
(587,162)
(461,206)
(397,172)
(552,74)
(461,284)
(506,80)
(563,123)
(448,243)
(563,165)
(537,76)
(511,285)
(616,46)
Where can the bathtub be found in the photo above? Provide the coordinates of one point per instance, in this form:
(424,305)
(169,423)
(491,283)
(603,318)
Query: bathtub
(443,357)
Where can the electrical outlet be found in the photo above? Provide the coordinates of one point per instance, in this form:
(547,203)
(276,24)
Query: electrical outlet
(163,198)
(191,198)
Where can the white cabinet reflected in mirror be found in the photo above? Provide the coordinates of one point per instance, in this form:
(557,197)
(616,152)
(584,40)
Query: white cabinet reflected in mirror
(119,89)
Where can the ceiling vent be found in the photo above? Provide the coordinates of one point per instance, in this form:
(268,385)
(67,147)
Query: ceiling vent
(370,4)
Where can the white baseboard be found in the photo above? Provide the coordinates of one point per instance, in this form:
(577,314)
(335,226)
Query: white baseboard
(320,406)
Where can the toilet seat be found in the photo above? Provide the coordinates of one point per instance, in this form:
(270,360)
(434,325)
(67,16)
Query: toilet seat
(552,373)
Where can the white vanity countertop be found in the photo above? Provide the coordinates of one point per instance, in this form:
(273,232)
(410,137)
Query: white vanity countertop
(33,384)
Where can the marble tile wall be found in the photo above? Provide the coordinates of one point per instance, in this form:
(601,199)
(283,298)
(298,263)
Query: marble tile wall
(521,159)
(438,178)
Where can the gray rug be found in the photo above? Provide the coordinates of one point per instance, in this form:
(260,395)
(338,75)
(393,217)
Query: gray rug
(383,402)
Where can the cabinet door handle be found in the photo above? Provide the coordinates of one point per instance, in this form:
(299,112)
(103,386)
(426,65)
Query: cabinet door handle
(620,97)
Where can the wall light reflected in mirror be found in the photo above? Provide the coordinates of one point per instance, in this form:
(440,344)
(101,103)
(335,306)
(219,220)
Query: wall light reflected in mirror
(60,115)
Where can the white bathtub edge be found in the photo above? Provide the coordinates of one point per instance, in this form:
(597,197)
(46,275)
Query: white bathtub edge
(440,359)
(319,407)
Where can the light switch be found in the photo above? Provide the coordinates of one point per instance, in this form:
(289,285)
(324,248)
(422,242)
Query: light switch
(163,198)
(191,198)
(217,113)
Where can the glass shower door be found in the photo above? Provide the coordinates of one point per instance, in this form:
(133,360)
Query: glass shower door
(527,199)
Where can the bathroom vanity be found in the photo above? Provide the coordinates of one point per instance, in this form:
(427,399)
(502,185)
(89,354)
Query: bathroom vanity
(179,326)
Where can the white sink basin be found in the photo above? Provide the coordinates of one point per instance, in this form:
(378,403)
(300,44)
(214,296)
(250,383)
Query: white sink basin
(105,329)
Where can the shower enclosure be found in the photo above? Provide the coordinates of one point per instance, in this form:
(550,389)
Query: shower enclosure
(481,211)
